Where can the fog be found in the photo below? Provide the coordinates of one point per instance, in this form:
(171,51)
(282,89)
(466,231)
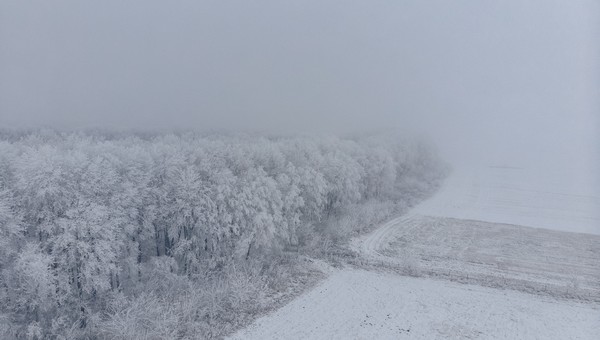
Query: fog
(295,210)
(504,82)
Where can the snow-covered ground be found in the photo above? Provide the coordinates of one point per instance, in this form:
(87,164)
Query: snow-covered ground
(540,261)
(480,230)
(545,198)
(357,304)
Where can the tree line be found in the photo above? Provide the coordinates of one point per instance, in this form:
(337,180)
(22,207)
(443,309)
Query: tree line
(86,216)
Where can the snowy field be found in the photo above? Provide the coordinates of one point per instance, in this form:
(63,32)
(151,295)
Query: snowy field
(545,198)
(357,304)
(483,268)
(540,261)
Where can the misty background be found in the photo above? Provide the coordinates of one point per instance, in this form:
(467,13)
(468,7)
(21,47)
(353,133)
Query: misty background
(493,82)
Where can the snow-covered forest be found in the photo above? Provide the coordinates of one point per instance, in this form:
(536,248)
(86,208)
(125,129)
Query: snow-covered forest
(182,235)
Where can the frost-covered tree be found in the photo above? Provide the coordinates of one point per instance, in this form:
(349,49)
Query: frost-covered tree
(94,225)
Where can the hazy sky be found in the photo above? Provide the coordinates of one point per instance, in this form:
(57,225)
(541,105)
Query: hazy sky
(482,77)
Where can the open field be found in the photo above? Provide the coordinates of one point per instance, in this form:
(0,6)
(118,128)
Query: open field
(532,260)
(358,304)
(550,198)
